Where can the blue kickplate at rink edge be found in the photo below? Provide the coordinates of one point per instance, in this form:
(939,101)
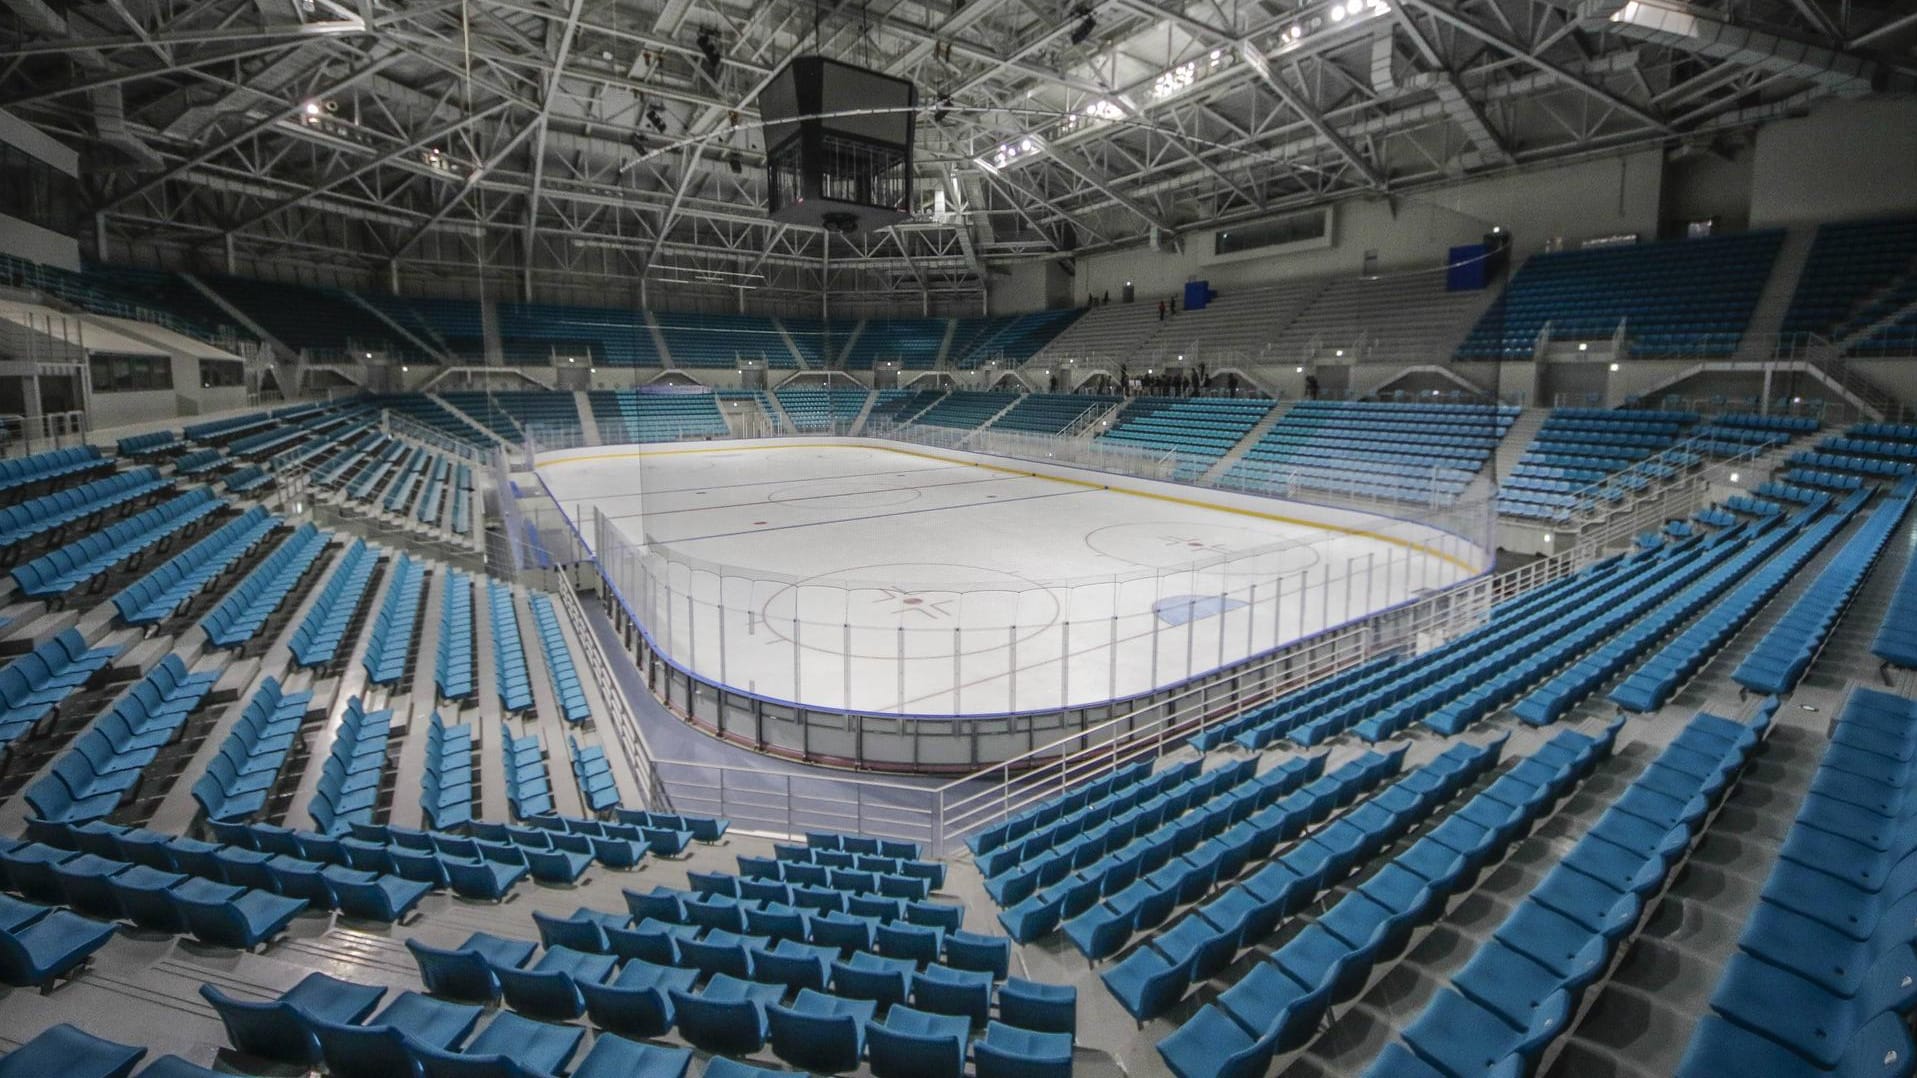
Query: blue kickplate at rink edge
(1179,609)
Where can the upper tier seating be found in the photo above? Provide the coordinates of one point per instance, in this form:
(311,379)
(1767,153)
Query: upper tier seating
(964,410)
(1682,298)
(626,415)
(170,294)
(322,322)
(1421,452)
(719,341)
(421,408)
(1199,430)
(1010,341)
(913,342)
(537,333)
(1853,275)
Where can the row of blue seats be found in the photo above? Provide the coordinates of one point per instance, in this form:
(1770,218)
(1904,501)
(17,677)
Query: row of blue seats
(391,643)
(1101,837)
(1048,811)
(1254,719)
(317,640)
(1847,445)
(1555,698)
(1519,989)
(592,772)
(368,845)
(151,444)
(245,610)
(1088,814)
(123,873)
(509,650)
(798,864)
(566,685)
(33,685)
(1657,679)
(804,883)
(454,667)
(528,787)
(19,473)
(198,462)
(154,597)
(1780,658)
(1213,844)
(1826,480)
(446,788)
(1821,982)
(224,430)
(260,443)
(241,775)
(220,914)
(349,781)
(1278,1006)
(1221,856)
(375,470)
(40,945)
(1896,640)
(58,572)
(405,485)
(1153,978)
(106,763)
(1874,467)
(32,519)
(246,480)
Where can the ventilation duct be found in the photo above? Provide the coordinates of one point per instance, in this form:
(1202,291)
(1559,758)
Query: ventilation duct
(1680,26)
(109,122)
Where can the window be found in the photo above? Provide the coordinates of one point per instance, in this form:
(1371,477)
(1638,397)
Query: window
(37,193)
(221,373)
(1293,228)
(114,373)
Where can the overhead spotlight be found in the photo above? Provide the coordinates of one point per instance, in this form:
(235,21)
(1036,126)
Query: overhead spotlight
(1337,12)
(656,118)
(735,163)
(1084,29)
(639,140)
(942,109)
(312,108)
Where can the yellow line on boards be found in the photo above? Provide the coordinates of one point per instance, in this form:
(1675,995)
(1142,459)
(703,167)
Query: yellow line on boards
(1174,499)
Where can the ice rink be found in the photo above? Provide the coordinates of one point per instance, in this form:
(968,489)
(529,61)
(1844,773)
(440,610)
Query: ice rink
(845,575)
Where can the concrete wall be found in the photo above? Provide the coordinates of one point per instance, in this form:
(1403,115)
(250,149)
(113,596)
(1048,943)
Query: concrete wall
(1847,159)
(1701,184)
(29,241)
(1573,202)
(186,398)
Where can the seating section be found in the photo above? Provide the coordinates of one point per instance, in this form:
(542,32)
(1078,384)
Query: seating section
(538,334)
(454,326)
(896,407)
(107,764)
(1419,452)
(913,343)
(1278,1005)
(719,341)
(1052,413)
(627,415)
(158,595)
(455,667)
(1820,981)
(245,610)
(566,686)
(821,409)
(38,946)
(1587,456)
(1741,434)
(34,684)
(1198,430)
(1513,998)
(528,786)
(1780,658)
(350,780)
(1009,342)
(964,409)
(390,647)
(1851,276)
(1896,641)
(82,505)
(324,323)
(446,789)
(57,573)
(1658,678)
(317,640)
(1681,298)
(598,790)
(242,776)
(509,650)
(550,418)
(21,477)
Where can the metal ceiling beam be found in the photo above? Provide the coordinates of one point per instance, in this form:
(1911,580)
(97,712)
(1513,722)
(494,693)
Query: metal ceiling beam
(1313,119)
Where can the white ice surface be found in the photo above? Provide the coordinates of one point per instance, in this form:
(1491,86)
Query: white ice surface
(918,586)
